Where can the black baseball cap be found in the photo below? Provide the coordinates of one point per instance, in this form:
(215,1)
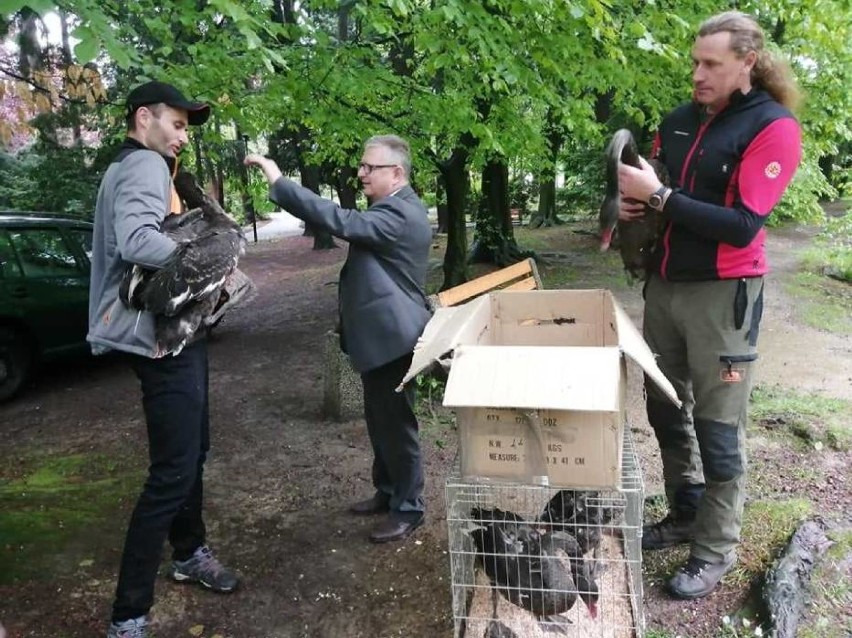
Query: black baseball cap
(159,92)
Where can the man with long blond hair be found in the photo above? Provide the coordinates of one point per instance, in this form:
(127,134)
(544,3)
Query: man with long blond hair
(731,151)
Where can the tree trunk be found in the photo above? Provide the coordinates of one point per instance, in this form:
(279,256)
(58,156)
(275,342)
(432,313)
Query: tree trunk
(494,240)
(441,204)
(248,204)
(200,166)
(68,60)
(310,177)
(30,58)
(345,186)
(457,181)
(546,214)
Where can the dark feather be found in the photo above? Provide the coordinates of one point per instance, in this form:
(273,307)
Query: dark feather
(636,239)
(582,514)
(524,565)
(187,292)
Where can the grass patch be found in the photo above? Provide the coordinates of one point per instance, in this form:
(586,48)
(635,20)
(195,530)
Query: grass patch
(767,527)
(814,420)
(831,590)
(827,303)
(51,502)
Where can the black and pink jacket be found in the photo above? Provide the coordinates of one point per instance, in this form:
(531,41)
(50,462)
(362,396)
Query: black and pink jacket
(728,172)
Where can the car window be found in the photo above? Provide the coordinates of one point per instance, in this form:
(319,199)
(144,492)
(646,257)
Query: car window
(84,239)
(43,252)
(8,262)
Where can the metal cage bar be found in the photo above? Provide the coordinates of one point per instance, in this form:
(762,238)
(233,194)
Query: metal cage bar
(522,529)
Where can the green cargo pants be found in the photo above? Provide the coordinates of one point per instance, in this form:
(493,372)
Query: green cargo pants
(705,337)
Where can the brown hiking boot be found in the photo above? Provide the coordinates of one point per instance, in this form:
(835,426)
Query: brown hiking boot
(668,532)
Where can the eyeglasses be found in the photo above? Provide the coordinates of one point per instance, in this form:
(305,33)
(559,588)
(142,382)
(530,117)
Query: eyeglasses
(369,168)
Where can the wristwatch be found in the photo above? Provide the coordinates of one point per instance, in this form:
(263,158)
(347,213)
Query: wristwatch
(658,199)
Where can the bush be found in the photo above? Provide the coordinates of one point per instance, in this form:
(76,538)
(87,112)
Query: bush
(521,192)
(801,201)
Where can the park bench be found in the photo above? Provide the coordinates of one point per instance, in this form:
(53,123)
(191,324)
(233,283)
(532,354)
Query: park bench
(342,393)
(520,276)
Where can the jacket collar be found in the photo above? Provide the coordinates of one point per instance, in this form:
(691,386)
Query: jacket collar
(130,144)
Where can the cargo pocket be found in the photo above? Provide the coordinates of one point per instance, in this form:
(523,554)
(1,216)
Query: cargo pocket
(733,368)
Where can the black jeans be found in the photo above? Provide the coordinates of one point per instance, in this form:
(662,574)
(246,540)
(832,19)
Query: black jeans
(174,397)
(394,433)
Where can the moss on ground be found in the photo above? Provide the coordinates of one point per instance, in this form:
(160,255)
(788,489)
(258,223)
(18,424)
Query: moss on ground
(50,501)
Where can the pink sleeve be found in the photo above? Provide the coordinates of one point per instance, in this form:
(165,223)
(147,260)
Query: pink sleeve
(768,165)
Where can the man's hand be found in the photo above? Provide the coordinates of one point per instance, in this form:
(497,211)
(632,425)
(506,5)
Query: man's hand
(269,167)
(637,184)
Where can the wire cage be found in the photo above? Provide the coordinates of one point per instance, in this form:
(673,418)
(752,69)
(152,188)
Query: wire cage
(531,560)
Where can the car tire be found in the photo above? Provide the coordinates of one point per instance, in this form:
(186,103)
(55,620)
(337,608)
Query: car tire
(15,362)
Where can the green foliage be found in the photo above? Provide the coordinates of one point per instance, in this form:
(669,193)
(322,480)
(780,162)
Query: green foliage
(583,190)
(497,77)
(801,201)
(831,254)
(49,179)
(521,191)
(436,421)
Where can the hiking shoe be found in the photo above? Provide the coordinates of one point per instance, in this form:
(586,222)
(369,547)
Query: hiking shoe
(697,578)
(204,568)
(668,532)
(133,628)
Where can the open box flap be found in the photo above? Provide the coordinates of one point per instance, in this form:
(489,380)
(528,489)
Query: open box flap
(447,328)
(634,346)
(567,378)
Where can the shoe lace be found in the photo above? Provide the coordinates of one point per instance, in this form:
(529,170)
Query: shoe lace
(661,526)
(133,629)
(694,567)
(207,562)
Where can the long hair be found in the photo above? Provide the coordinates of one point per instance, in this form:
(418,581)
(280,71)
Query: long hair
(769,72)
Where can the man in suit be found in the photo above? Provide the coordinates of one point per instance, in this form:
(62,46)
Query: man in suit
(383,310)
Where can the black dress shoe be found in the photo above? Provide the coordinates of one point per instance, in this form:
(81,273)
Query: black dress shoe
(394,529)
(373,505)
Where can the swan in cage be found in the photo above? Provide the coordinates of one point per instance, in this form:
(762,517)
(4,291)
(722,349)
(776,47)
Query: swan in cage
(526,567)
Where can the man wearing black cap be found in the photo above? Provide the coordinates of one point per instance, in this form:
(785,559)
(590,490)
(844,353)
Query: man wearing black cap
(134,198)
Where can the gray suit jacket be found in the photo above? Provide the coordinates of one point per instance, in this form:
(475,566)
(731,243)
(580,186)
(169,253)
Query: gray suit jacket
(383,306)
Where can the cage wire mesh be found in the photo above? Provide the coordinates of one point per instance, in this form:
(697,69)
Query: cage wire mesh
(516,571)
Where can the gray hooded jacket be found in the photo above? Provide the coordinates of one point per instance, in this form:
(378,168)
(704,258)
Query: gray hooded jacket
(133,201)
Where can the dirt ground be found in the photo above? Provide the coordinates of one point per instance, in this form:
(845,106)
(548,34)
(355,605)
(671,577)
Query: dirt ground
(279,476)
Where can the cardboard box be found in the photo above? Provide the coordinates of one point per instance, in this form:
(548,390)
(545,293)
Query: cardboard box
(538,381)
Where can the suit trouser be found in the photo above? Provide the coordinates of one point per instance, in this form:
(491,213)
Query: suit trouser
(705,337)
(394,434)
(174,398)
